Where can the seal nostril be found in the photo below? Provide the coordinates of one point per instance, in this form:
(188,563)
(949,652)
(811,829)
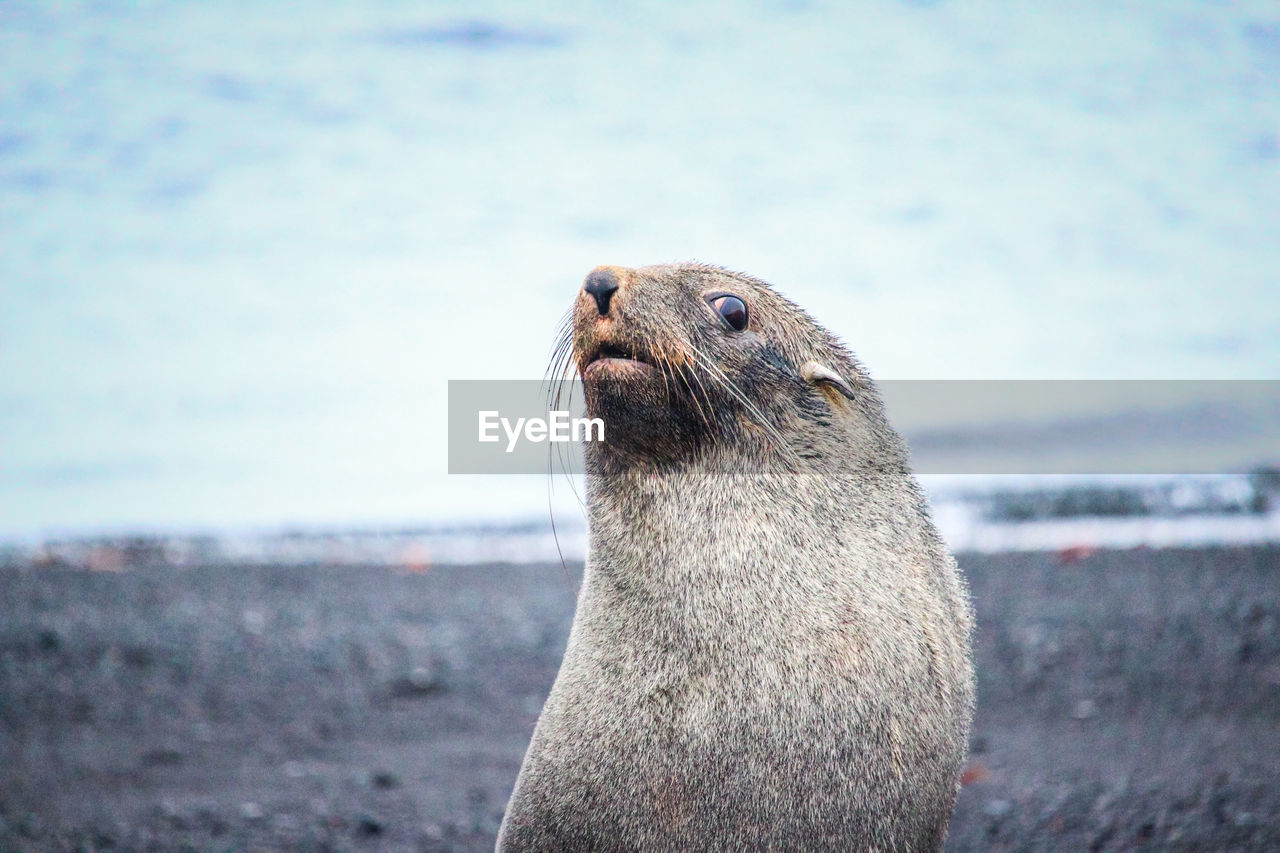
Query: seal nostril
(601,284)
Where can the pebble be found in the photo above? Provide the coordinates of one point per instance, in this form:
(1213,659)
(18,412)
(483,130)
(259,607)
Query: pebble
(384,780)
(998,808)
(419,681)
(1084,709)
(286,823)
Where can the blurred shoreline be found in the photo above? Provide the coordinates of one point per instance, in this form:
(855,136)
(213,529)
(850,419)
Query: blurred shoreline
(984,515)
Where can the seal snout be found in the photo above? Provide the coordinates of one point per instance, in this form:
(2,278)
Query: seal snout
(601,284)
(607,342)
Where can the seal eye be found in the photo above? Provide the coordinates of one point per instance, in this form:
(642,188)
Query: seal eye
(732,310)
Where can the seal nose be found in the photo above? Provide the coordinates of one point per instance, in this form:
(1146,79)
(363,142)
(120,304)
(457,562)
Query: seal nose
(601,284)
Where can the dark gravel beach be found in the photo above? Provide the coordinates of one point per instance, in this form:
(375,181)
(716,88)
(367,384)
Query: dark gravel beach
(1127,700)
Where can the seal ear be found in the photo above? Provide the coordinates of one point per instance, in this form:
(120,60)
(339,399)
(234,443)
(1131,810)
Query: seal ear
(823,376)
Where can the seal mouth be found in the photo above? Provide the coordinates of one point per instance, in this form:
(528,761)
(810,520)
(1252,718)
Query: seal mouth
(616,359)
(614,351)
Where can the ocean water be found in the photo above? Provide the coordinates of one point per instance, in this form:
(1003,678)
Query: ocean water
(244,246)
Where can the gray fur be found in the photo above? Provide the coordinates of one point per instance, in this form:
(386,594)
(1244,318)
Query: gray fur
(771,646)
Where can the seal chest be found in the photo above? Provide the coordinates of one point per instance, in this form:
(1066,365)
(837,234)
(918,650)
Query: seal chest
(771,644)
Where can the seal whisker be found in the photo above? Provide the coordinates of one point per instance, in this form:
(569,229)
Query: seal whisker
(680,373)
(557,367)
(556,375)
(683,374)
(692,374)
(742,398)
(660,360)
(566,378)
(551,514)
(561,356)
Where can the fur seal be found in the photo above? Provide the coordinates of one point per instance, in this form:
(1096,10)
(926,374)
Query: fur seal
(771,648)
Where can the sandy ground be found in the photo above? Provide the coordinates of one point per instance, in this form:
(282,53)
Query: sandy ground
(1127,700)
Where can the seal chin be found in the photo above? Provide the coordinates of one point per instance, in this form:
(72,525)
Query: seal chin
(629,392)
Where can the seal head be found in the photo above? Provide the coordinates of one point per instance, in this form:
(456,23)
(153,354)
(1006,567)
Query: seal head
(676,358)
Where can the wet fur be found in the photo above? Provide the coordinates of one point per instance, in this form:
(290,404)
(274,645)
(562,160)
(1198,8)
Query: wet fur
(771,646)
